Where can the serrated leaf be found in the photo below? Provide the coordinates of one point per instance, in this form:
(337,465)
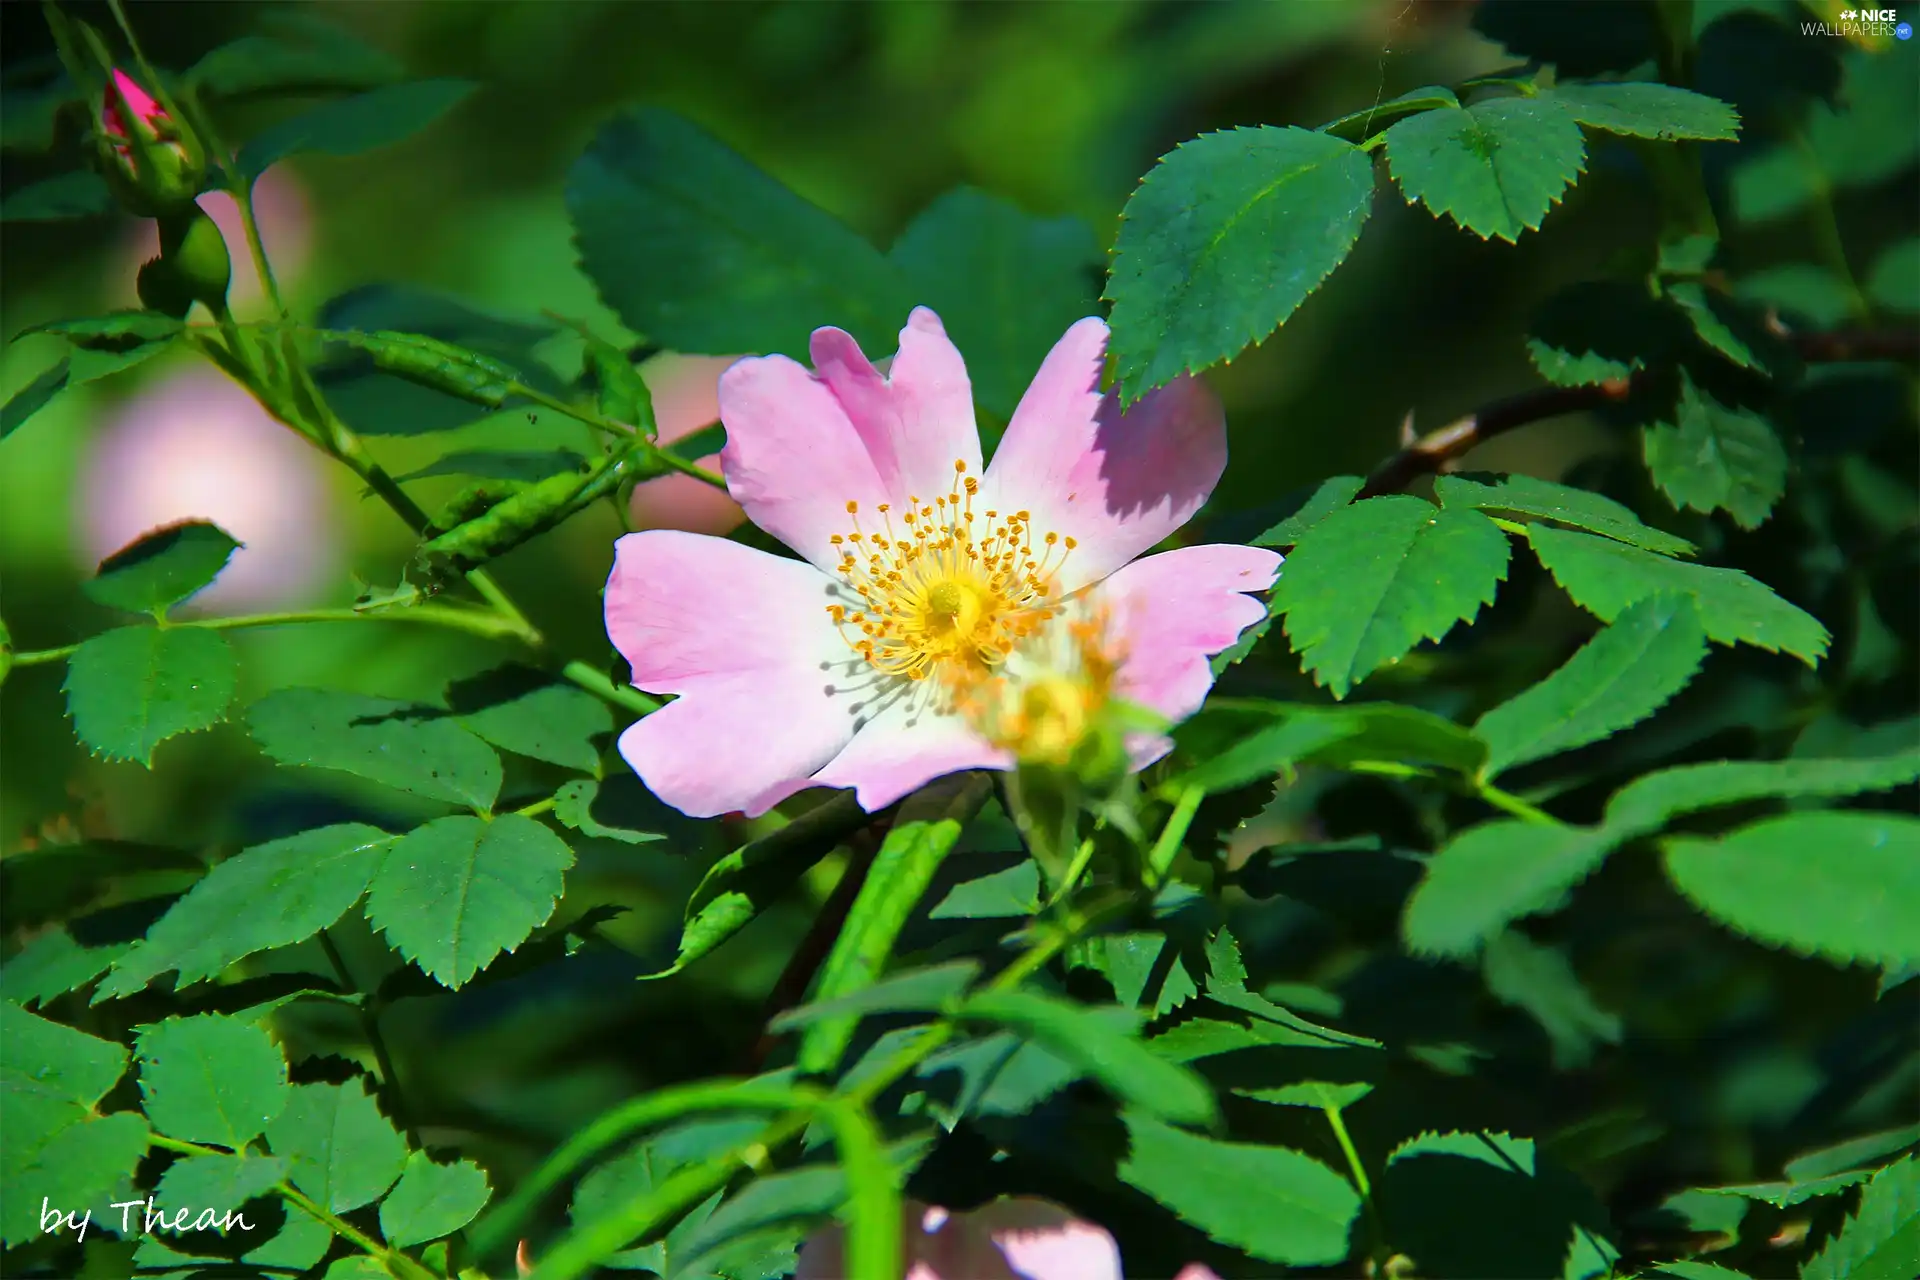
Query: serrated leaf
(1784,1195)
(1895,280)
(299,1244)
(609,809)
(1852,1153)
(78,1164)
(1843,885)
(1600,331)
(401,745)
(53,964)
(1495,167)
(272,895)
(1563,504)
(1224,238)
(646,202)
(523,711)
(80,194)
(220,1183)
(529,466)
(1649,802)
(349,126)
(1605,577)
(432,1200)
(1716,458)
(1005,284)
(1272,1203)
(1552,1226)
(1315,505)
(162,567)
(1539,980)
(1723,325)
(1115,1058)
(1372,580)
(1881,1241)
(453,894)
(211,1078)
(1645,110)
(341,1150)
(1491,874)
(1691,1269)
(1618,678)
(1141,965)
(131,689)
(1357,126)
(1011,892)
(1272,745)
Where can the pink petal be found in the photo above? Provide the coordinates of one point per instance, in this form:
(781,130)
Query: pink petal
(1169,613)
(918,419)
(1116,483)
(1197,1271)
(793,459)
(744,638)
(1043,1241)
(904,746)
(686,397)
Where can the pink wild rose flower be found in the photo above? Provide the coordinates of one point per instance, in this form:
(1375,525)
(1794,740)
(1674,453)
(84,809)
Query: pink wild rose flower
(923,578)
(1009,1239)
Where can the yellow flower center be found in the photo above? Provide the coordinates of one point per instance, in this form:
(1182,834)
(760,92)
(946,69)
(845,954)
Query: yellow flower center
(951,591)
(1043,715)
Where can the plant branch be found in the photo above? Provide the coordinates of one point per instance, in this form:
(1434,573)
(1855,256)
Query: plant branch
(1438,450)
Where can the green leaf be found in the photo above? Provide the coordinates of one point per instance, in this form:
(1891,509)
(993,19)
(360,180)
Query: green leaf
(453,894)
(131,689)
(432,1200)
(693,246)
(1559,503)
(1644,110)
(1882,1239)
(342,1151)
(56,1150)
(1551,1225)
(53,964)
(1272,1203)
(1006,285)
(299,1244)
(741,885)
(1095,1044)
(1852,1153)
(640,1170)
(1784,1195)
(1272,747)
(75,370)
(1224,238)
(1715,458)
(1009,893)
(1388,732)
(220,1183)
(80,194)
(1540,980)
(211,1078)
(1605,577)
(1494,873)
(349,126)
(608,809)
(1495,168)
(1895,280)
(523,711)
(1801,291)
(1357,126)
(162,567)
(1329,496)
(1618,678)
(1689,1269)
(1601,331)
(272,895)
(401,745)
(1648,803)
(1843,885)
(1372,580)
(296,53)
(1146,970)
(928,826)
(48,1070)
(1724,326)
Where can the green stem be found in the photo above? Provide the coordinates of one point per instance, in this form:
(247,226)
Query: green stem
(1360,1180)
(370,1025)
(1166,847)
(665,457)
(597,682)
(1507,801)
(396,1262)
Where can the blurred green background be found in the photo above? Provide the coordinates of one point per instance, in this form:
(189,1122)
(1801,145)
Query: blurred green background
(870,110)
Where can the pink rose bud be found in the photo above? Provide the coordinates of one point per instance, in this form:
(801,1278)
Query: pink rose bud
(153,163)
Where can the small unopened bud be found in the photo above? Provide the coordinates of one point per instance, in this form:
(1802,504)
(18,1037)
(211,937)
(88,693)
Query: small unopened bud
(153,163)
